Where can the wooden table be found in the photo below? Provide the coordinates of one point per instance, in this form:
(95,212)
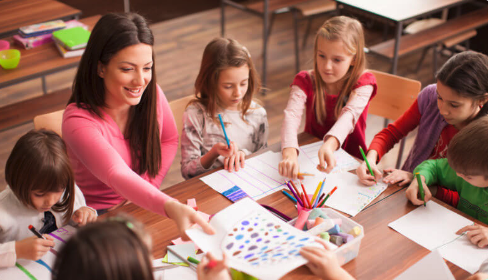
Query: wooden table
(17,13)
(399,12)
(384,253)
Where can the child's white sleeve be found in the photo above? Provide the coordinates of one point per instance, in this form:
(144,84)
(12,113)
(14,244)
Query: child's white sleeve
(293,117)
(7,254)
(80,200)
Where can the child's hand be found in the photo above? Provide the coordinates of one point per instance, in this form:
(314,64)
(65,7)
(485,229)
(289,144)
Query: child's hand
(288,166)
(217,272)
(478,276)
(33,248)
(235,161)
(477,234)
(413,192)
(224,150)
(398,176)
(84,215)
(184,217)
(327,159)
(365,176)
(323,262)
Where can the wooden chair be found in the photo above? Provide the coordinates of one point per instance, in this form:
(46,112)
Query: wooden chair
(266,9)
(50,121)
(178,106)
(394,96)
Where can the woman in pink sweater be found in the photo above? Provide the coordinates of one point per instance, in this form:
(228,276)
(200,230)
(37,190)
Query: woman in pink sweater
(118,126)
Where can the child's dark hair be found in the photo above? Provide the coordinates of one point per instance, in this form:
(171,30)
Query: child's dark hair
(112,33)
(467,74)
(113,249)
(221,54)
(39,162)
(467,152)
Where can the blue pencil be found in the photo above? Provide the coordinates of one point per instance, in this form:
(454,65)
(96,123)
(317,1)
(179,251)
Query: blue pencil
(320,192)
(289,196)
(225,133)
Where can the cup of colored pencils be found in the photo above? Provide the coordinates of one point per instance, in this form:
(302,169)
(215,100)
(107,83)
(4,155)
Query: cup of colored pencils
(303,199)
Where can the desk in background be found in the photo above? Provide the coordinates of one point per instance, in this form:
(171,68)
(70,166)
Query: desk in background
(384,253)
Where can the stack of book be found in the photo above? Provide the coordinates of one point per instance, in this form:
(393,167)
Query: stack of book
(42,33)
(71,41)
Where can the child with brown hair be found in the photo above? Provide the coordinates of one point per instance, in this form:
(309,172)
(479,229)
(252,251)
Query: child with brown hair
(335,95)
(465,170)
(41,192)
(225,85)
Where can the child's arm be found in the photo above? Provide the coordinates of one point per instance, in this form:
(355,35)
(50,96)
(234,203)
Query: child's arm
(82,213)
(288,167)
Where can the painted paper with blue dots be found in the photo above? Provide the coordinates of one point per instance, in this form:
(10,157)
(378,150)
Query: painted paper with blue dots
(254,240)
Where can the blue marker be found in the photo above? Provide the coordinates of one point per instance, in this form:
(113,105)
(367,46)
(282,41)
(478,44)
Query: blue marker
(225,133)
(289,196)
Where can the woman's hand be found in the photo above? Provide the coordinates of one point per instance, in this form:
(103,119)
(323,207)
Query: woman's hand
(477,234)
(217,270)
(84,215)
(184,217)
(33,248)
(288,166)
(397,176)
(413,192)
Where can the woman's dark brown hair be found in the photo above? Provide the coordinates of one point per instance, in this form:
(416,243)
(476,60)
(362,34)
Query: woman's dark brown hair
(467,74)
(114,249)
(112,33)
(221,54)
(39,162)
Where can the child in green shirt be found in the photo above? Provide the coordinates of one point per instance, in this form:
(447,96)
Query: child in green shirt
(466,171)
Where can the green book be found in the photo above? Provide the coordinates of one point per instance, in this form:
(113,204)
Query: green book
(72,38)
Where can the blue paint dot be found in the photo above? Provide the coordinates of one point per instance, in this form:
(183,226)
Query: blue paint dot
(253,247)
(254,235)
(292,251)
(242,246)
(259,239)
(290,237)
(285,257)
(245,223)
(304,239)
(298,254)
(239,236)
(247,241)
(255,224)
(264,248)
(242,228)
(255,263)
(285,233)
(269,225)
(229,245)
(248,256)
(277,255)
(276,236)
(299,245)
(265,259)
(292,243)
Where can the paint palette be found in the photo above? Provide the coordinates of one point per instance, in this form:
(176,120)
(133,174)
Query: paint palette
(259,240)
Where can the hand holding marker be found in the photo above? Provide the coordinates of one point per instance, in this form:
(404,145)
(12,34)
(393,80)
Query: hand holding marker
(421,187)
(367,163)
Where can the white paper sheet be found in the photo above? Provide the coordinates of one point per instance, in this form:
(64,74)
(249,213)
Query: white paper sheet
(430,267)
(254,240)
(435,227)
(40,269)
(344,161)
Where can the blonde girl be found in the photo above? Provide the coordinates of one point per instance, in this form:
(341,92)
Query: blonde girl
(225,85)
(335,95)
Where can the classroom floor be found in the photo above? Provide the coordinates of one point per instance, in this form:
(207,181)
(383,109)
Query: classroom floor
(179,44)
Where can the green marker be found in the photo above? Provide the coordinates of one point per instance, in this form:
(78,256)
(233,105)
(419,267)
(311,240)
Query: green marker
(421,188)
(367,163)
(193,260)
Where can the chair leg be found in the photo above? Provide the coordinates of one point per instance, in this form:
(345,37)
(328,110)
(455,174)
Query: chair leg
(424,52)
(307,32)
(400,153)
(295,34)
(222,18)
(434,61)
(271,21)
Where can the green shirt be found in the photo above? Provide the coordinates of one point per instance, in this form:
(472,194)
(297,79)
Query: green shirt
(472,200)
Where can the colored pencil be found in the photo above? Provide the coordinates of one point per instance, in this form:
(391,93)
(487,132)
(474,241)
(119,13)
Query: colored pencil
(225,133)
(321,199)
(320,192)
(298,193)
(367,163)
(328,195)
(421,187)
(193,260)
(307,199)
(294,194)
(315,194)
(289,196)
(305,174)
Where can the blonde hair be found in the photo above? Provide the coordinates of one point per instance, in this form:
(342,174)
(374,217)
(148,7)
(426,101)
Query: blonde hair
(350,32)
(221,54)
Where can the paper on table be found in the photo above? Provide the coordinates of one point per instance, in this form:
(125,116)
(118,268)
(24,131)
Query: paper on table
(254,240)
(351,196)
(184,251)
(430,267)
(434,227)
(344,161)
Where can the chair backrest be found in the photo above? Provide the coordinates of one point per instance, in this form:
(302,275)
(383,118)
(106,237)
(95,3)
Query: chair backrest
(394,96)
(178,106)
(50,121)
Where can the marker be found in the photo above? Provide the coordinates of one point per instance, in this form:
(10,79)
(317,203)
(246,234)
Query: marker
(327,197)
(193,260)
(306,196)
(289,196)
(305,174)
(421,188)
(367,163)
(320,192)
(35,232)
(225,133)
(294,194)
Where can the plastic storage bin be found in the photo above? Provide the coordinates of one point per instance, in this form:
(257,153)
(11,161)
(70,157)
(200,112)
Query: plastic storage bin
(348,251)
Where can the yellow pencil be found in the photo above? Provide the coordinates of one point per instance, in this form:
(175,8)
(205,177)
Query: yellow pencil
(316,192)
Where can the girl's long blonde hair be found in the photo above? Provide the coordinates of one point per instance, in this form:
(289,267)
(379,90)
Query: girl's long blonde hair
(350,32)
(220,54)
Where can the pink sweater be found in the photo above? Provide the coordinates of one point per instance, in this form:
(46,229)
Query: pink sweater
(101,161)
